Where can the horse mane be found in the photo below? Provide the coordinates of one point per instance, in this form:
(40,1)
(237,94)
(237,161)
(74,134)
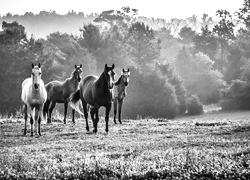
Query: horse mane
(118,81)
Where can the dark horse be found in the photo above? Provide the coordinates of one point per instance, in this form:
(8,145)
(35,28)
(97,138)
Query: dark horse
(120,93)
(60,92)
(95,92)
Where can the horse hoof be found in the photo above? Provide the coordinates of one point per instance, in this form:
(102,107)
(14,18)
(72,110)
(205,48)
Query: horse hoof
(31,135)
(94,131)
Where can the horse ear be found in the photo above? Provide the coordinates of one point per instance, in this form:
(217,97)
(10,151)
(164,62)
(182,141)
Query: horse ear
(123,70)
(39,65)
(113,66)
(32,65)
(75,66)
(80,65)
(106,66)
(128,70)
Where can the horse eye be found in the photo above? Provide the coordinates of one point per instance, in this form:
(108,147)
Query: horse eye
(40,73)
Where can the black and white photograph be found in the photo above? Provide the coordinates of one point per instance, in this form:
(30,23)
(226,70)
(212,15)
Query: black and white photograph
(124,90)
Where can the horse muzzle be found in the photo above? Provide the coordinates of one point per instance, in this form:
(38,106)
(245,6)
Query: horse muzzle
(36,86)
(111,86)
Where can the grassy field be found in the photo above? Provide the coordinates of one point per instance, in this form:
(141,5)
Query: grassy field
(210,146)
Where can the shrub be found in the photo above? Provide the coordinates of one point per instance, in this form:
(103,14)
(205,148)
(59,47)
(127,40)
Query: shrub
(198,76)
(236,96)
(177,82)
(150,94)
(194,106)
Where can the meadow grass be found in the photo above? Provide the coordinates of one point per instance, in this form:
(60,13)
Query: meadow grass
(210,146)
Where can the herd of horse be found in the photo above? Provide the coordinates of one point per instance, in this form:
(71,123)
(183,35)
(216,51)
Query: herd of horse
(90,93)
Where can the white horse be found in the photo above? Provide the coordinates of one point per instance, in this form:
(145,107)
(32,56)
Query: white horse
(34,96)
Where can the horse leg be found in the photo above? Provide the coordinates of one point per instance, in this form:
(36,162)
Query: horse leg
(108,107)
(36,119)
(45,110)
(73,116)
(31,125)
(39,125)
(115,109)
(92,114)
(50,110)
(96,117)
(85,110)
(65,111)
(25,119)
(120,110)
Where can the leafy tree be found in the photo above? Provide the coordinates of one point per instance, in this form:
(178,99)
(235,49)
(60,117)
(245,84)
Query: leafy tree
(235,63)
(144,100)
(91,38)
(224,31)
(206,43)
(16,54)
(175,80)
(121,17)
(64,51)
(187,35)
(198,75)
(143,46)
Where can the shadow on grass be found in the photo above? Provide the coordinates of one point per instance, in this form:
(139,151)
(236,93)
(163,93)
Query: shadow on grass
(238,130)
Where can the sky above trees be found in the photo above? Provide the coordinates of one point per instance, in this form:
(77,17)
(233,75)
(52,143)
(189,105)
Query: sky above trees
(165,9)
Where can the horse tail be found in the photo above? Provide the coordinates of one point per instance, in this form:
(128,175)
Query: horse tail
(75,102)
(46,109)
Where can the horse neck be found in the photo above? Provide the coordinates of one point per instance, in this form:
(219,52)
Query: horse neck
(72,81)
(120,84)
(100,82)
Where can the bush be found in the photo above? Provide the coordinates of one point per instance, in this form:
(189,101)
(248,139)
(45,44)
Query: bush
(194,106)
(178,84)
(199,76)
(236,96)
(150,95)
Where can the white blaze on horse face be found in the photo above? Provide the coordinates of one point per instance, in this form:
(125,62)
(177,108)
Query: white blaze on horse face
(111,79)
(36,76)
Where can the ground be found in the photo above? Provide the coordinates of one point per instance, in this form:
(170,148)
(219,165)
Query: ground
(211,146)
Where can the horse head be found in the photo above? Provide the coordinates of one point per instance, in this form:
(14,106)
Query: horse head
(36,74)
(125,76)
(77,73)
(109,75)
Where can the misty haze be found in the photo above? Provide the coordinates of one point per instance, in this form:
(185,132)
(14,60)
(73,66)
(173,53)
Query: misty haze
(174,96)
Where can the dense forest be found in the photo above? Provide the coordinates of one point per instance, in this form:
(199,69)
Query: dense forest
(175,68)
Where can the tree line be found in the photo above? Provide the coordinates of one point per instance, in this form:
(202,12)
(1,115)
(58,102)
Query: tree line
(207,67)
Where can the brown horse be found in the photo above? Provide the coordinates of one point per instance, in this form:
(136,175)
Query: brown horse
(33,96)
(60,92)
(95,92)
(120,93)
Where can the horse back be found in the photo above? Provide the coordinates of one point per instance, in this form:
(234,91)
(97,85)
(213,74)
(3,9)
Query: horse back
(54,90)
